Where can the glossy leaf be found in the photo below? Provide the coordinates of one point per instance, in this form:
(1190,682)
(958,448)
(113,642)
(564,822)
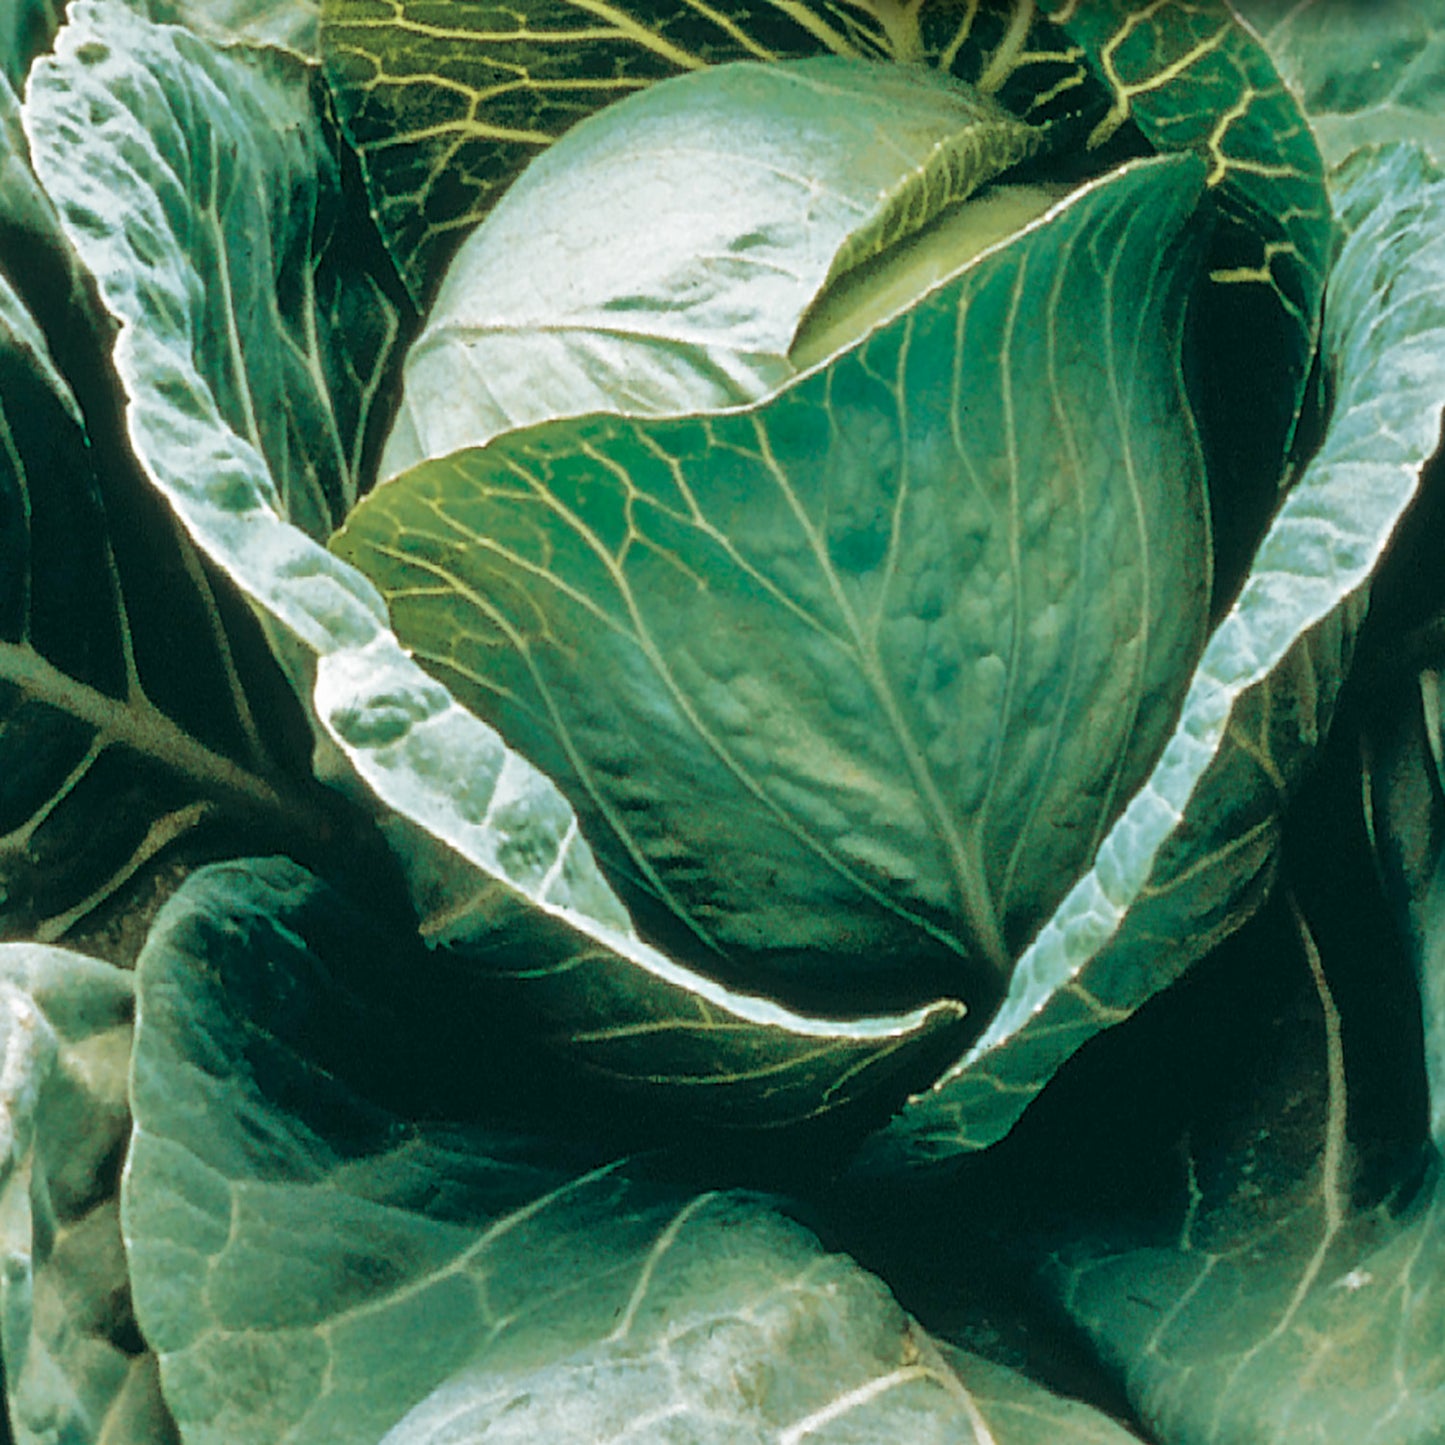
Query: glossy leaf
(662,258)
(495,862)
(74,1369)
(1194,850)
(448,103)
(312,1265)
(777,656)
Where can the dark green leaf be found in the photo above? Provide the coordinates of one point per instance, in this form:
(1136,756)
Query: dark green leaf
(449,100)
(97,779)
(313,1266)
(74,1369)
(1191,77)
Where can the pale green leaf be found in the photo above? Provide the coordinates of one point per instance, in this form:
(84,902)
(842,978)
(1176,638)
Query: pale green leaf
(661,257)
(74,1370)
(1364,75)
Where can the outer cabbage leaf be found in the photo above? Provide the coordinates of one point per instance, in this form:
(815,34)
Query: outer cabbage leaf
(104,768)
(1363,76)
(26,29)
(661,258)
(492,853)
(74,1368)
(1194,849)
(851,681)
(313,1265)
(1278,1274)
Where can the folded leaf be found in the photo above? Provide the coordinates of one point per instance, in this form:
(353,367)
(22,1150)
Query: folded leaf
(852,680)
(661,258)
(491,852)
(447,116)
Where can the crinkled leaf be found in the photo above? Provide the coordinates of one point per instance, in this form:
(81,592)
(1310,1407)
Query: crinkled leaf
(852,680)
(662,256)
(291,24)
(311,1265)
(74,1369)
(449,103)
(1192,852)
(1364,75)
(491,851)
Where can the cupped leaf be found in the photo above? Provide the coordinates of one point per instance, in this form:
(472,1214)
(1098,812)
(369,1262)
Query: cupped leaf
(312,1264)
(74,1368)
(852,680)
(448,104)
(491,852)
(1192,853)
(1364,76)
(661,257)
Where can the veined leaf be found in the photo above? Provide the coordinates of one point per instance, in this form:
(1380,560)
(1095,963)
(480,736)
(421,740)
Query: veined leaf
(448,101)
(73,1367)
(312,1265)
(492,853)
(1192,77)
(851,681)
(97,777)
(1193,852)
(662,258)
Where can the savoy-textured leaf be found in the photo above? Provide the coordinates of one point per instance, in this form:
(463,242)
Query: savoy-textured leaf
(311,1265)
(1191,854)
(448,101)
(491,851)
(661,257)
(1364,77)
(851,681)
(74,1368)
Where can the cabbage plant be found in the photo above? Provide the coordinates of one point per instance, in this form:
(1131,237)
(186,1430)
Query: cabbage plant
(721,721)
